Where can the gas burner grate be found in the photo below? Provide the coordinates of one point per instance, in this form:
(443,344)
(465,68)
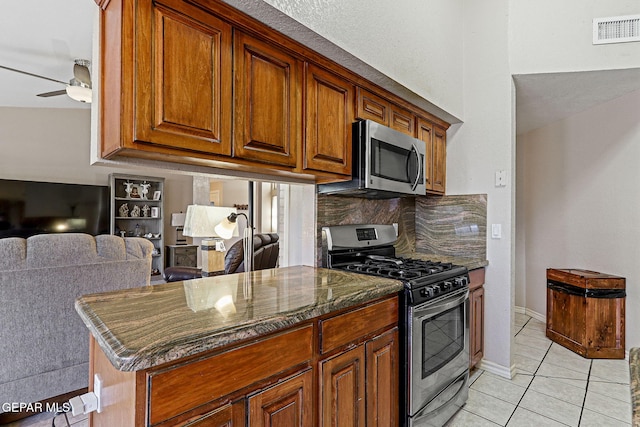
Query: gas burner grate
(397,268)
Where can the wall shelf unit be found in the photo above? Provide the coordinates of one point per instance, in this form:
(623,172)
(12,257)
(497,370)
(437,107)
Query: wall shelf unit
(137,211)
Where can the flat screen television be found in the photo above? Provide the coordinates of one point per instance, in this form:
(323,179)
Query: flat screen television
(29,207)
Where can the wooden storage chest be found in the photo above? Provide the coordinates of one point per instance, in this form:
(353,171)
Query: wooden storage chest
(585,312)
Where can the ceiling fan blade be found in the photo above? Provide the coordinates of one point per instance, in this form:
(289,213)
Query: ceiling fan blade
(81,73)
(54,93)
(33,75)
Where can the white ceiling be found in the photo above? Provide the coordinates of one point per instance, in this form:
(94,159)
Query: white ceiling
(45,36)
(545,98)
(42,37)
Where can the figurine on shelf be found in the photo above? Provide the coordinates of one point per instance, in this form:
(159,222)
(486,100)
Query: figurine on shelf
(124,210)
(145,210)
(128,186)
(145,190)
(135,211)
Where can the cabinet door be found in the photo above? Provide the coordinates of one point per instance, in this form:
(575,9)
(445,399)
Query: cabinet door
(382,380)
(289,403)
(329,112)
(226,416)
(425,133)
(402,120)
(372,107)
(182,78)
(435,162)
(439,159)
(268,102)
(342,385)
(476,328)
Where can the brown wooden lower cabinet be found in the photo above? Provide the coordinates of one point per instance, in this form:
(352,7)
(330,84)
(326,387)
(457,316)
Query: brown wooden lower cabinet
(476,316)
(286,404)
(283,379)
(360,387)
(342,388)
(382,370)
(231,415)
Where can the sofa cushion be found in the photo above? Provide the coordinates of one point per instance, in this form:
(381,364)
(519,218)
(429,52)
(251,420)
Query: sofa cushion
(13,254)
(54,250)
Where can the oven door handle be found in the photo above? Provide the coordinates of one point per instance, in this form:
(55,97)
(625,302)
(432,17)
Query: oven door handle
(425,311)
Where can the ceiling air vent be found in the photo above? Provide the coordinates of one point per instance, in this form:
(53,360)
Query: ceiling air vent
(617,29)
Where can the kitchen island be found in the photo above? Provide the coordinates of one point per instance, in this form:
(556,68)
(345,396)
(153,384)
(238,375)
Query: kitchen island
(301,345)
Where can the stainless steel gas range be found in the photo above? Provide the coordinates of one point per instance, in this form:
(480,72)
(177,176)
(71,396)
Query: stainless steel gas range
(435,326)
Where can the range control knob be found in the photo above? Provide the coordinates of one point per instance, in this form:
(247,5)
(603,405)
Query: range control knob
(460,281)
(447,285)
(426,292)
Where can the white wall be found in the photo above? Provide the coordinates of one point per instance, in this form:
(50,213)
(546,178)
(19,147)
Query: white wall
(54,144)
(556,36)
(581,206)
(416,43)
(479,147)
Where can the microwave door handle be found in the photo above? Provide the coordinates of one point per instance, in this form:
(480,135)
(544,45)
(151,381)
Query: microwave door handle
(415,183)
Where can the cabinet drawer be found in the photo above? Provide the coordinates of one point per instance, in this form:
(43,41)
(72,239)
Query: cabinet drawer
(345,328)
(209,379)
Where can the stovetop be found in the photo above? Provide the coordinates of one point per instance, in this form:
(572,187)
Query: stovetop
(368,249)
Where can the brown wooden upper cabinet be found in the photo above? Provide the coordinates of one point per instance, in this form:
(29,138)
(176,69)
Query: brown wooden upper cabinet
(329,116)
(201,83)
(436,160)
(267,102)
(181,84)
(370,106)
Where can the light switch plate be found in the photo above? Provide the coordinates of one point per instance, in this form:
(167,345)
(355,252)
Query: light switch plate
(501,178)
(496,231)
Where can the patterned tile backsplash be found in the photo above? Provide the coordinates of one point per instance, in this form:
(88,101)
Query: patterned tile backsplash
(447,225)
(452,225)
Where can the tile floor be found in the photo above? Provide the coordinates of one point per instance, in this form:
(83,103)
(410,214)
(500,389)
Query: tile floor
(553,387)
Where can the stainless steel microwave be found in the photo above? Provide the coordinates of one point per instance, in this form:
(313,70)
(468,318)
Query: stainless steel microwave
(386,164)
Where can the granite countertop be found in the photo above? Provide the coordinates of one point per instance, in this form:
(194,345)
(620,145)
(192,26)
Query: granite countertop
(634,383)
(470,263)
(145,327)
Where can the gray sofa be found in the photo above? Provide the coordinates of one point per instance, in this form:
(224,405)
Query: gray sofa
(44,346)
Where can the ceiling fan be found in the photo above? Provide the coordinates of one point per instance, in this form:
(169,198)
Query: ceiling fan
(78,88)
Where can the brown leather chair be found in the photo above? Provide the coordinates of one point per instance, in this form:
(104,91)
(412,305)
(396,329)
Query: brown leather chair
(266,247)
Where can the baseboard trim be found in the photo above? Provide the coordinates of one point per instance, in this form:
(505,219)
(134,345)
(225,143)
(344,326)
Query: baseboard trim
(500,370)
(530,313)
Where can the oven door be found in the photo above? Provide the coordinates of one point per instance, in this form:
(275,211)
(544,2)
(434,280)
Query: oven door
(438,347)
(394,161)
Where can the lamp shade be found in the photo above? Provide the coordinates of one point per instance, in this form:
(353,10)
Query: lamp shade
(178,219)
(225,228)
(201,220)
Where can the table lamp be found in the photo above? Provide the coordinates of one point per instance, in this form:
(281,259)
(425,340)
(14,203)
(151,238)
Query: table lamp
(200,222)
(177,221)
(225,229)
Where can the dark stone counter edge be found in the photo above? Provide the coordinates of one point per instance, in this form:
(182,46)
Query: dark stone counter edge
(634,384)
(150,357)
